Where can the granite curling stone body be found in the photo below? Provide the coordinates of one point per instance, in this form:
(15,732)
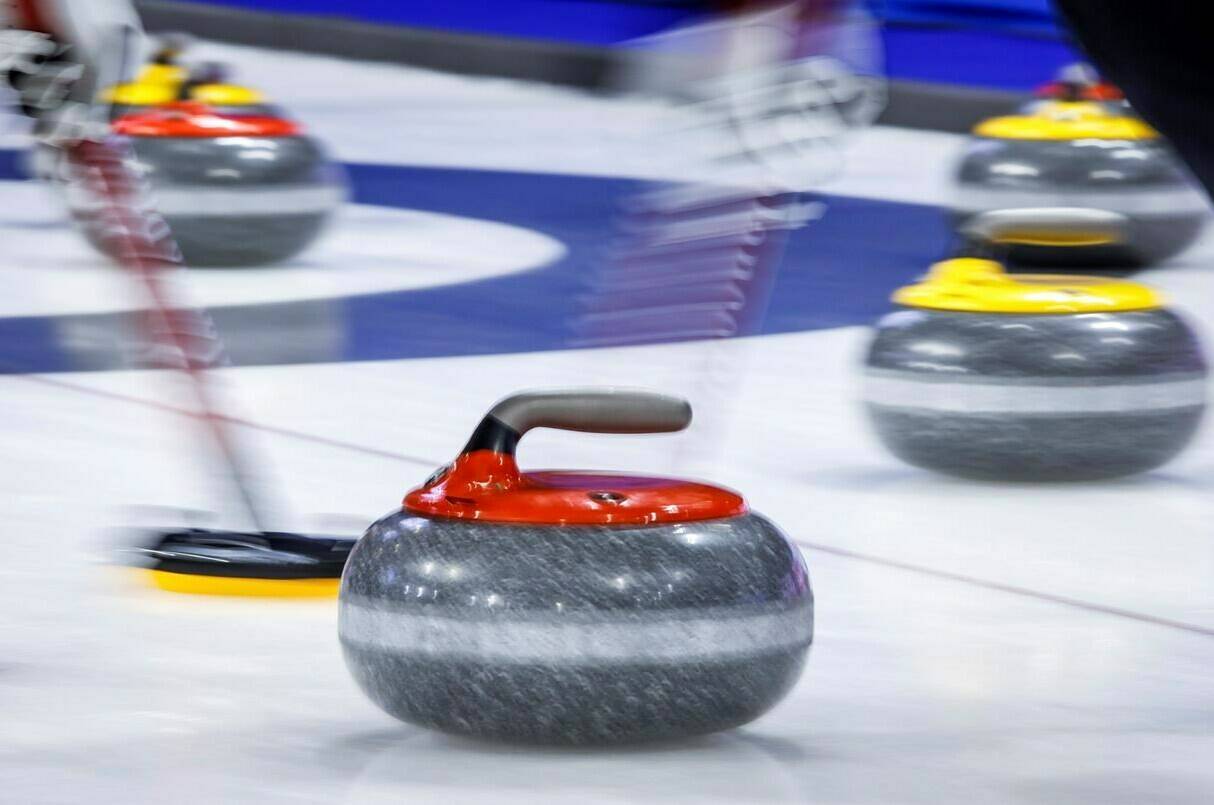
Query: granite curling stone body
(569,607)
(1033,377)
(1083,155)
(235,191)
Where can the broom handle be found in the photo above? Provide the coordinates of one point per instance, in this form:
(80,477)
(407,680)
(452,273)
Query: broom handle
(143,245)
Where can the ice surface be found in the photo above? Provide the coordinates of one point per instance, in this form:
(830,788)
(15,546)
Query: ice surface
(975,642)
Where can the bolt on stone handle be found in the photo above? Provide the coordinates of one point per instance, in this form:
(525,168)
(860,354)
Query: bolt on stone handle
(606,410)
(1047,226)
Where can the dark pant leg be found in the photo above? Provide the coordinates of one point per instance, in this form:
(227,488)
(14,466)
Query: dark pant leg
(1161,54)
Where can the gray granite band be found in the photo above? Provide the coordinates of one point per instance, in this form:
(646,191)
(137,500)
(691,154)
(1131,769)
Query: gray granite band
(1029,397)
(1166,202)
(557,640)
(248,201)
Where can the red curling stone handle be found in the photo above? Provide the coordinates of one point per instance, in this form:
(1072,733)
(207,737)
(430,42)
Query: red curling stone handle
(484,482)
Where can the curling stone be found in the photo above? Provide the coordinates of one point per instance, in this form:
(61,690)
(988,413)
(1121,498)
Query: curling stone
(235,191)
(1082,155)
(988,375)
(229,563)
(573,608)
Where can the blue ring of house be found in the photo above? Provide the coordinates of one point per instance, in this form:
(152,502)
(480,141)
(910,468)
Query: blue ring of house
(836,272)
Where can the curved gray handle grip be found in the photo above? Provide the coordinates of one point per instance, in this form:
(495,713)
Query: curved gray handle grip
(604,410)
(1039,223)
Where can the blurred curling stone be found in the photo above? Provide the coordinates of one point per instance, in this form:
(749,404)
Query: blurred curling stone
(573,607)
(1083,154)
(1033,377)
(236,191)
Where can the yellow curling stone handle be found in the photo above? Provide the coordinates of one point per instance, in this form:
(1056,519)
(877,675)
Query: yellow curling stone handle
(974,285)
(156,84)
(1066,120)
(226,95)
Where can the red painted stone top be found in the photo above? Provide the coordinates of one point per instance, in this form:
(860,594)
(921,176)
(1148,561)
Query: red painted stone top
(487,486)
(191,119)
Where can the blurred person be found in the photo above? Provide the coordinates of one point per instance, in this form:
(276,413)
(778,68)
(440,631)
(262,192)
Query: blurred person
(755,98)
(55,55)
(1159,55)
